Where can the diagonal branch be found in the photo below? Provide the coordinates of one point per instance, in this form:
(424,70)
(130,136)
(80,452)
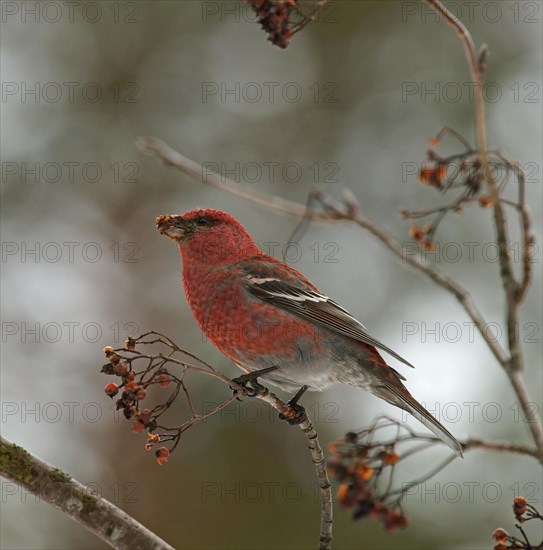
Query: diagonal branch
(77,501)
(499,447)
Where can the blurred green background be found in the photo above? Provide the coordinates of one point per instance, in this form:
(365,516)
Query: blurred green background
(356,96)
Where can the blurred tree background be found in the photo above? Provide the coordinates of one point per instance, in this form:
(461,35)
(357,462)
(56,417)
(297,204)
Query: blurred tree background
(356,96)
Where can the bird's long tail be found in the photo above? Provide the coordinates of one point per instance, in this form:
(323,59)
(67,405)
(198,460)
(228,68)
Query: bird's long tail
(403,399)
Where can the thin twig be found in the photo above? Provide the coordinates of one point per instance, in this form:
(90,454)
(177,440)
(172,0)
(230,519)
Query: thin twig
(317,456)
(174,159)
(499,446)
(77,501)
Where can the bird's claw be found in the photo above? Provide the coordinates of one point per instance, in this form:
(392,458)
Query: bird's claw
(249,383)
(299,412)
(297,418)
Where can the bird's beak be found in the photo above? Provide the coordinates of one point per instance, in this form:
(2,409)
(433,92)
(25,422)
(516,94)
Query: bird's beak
(174,227)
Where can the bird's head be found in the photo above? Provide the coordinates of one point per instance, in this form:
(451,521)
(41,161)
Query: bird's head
(209,236)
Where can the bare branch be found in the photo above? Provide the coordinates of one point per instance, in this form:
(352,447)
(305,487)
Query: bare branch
(514,291)
(317,456)
(499,446)
(77,501)
(176,160)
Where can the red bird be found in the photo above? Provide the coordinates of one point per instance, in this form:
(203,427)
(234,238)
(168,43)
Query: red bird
(263,314)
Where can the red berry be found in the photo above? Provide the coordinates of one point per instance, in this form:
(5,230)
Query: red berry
(111,389)
(163,380)
(111,355)
(130,343)
(140,394)
(121,369)
(520,505)
(138,426)
(500,535)
(162,455)
(145,416)
(391,457)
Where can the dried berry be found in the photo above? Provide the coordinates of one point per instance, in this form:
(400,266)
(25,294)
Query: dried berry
(390,457)
(162,455)
(111,389)
(485,201)
(520,506)
(130,343)
(111,355)
(500,535)
(121,369)
(433,174)
(163,380)
(138,426)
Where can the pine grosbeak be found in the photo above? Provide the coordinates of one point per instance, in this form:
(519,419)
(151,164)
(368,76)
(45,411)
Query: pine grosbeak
(262,313)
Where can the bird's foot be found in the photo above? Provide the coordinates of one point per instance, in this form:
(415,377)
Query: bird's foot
(298,415)
(249,382)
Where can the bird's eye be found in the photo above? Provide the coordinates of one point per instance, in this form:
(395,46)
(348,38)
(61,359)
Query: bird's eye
(202,221)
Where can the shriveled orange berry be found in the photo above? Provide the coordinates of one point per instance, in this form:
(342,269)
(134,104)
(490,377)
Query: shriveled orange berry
(121,369)
(520,505)
(416,232)
(379,510)
(391,457)
(140,394)
(111,389)
(500,535)
(138,426)
(111,355)
(395,521)
(132,386)
(433,174)
(162,455)
(107,369)
(129,412)
(145,416)
(364,472)
(163,380)
(130,343)
(345,496)
(428,245)
(485,201)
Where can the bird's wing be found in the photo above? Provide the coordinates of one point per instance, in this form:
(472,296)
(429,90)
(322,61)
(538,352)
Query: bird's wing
(302,300)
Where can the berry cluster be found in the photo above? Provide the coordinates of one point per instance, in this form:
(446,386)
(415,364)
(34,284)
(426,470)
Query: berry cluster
(358,467)
(133,386)
(462,171)
(282,19)
(523,512)
(148,372)
(275,19)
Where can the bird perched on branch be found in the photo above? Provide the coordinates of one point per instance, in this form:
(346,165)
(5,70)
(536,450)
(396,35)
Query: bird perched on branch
(271,321)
